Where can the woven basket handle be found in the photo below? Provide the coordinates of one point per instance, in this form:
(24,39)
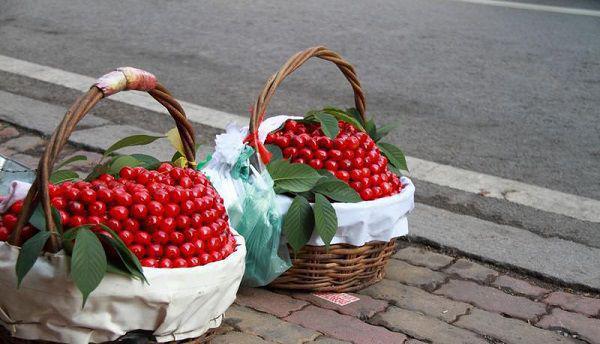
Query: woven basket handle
(260,107)
(122,79)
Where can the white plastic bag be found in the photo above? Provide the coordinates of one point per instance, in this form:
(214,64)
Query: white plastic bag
(176,304)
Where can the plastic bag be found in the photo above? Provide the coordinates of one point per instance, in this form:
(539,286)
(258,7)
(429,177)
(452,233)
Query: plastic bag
(251,204)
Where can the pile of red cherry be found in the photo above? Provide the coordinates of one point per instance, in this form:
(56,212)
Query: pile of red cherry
(169,218)
(351,156)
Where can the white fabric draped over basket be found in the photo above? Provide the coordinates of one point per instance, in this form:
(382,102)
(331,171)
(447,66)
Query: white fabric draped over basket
(358,223)
(176,304)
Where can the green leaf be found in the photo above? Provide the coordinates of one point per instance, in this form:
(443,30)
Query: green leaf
(121,161)
(88,262)
(147,161)
(134,140)
(337,190)
(371,129)
(394,155)
(129,260)
(341,116)
(293,177)
(29,254)
(71,233)
(326,222)
(70,160)
(275,150)
(329,124)
(352,112)
(98,170)
(394,170)
(37,218)
(298,223)
(62,176)
(57,219)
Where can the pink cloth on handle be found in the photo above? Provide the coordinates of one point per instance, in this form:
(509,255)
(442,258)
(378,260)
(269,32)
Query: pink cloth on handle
(17,191)
(125,78)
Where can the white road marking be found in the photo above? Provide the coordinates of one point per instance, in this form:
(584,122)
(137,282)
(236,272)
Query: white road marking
(535,7)
(537,197)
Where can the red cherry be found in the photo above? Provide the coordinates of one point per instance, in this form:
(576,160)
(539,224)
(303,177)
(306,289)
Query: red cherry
(160,237)
(290,152)
(76,208)
(123,198)
(180,263)
(290,125)
(196,220)
(4,233)
(182,221)
(325,142)
(28,231)
(71,194)
(185,182)
(127,237)
(119,212)
(320,154)
(16,208)
(377,191)
(356,185)
(127,173)
(131,225)
(199,245)
(76,221)
(282,141)
(344,164)
(155,208)
(331,165)
(358,162)
(165,263)
(165,167)
(305,153)
(143,178)
(214,243)
(347,154)
(167,224)
(204,232)
(190,234)
(298,141)
(299,161)
(139,211)
(154,250)
(193,261)
(149,262)
(59,203)
(138,250)
(367,194)
(338,143)
(171,210)
(316,164)
(311,143)
(187,249)
(141,197)
(342,175)
(176,173)
(161,196)
(87,196)
(113,224)
(187,207)
(176,238)
(172,252)
(104,195)
(204,258)
(352,142)
(93,220)
(97,208)
(216,256)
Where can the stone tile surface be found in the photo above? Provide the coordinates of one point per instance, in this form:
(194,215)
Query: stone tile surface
(364,308)
(269,302)
(574,323)
(576,303)
(418,276)
(519,286)
(471,270)
(422,257)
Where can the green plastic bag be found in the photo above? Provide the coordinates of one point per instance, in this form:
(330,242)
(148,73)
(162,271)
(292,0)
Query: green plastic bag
(250,200)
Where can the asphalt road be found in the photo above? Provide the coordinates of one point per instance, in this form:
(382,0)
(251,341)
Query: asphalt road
(508,92)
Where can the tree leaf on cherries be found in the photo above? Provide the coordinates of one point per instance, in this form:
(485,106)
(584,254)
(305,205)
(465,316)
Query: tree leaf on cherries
(298,223)
(98,170)
(353,112)
(329,124)
(129,260)
(394,154)
(134,140)
(293,177)
(60,176)
(337,190)
(326,222)
(121,161)
(371,129)
(275,150)
(147,161)
(88,262)
(70,160)
(341,116)
(394,170)
(29,253)
(386,129)
(37,219)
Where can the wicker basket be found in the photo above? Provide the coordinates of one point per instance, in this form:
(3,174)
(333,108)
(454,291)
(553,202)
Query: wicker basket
(343,267)
(123,79)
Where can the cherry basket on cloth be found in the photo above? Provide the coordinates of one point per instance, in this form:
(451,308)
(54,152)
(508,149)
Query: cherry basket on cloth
(166,305)
(367,229)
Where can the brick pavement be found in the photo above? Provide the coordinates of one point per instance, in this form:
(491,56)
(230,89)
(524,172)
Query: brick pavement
(428,296)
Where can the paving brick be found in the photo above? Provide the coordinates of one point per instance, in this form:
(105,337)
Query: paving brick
(492,299)
(414,341)
(26,160)
(422,257)
(576,303)
(470,270)
(415,299)
(574,323)
(343,327)
(267,326)
(364,308)
(8,132)
(24,143)
(520,286)
(400,271)
(508,330)
(235,337)
(423,327)
(268,302)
